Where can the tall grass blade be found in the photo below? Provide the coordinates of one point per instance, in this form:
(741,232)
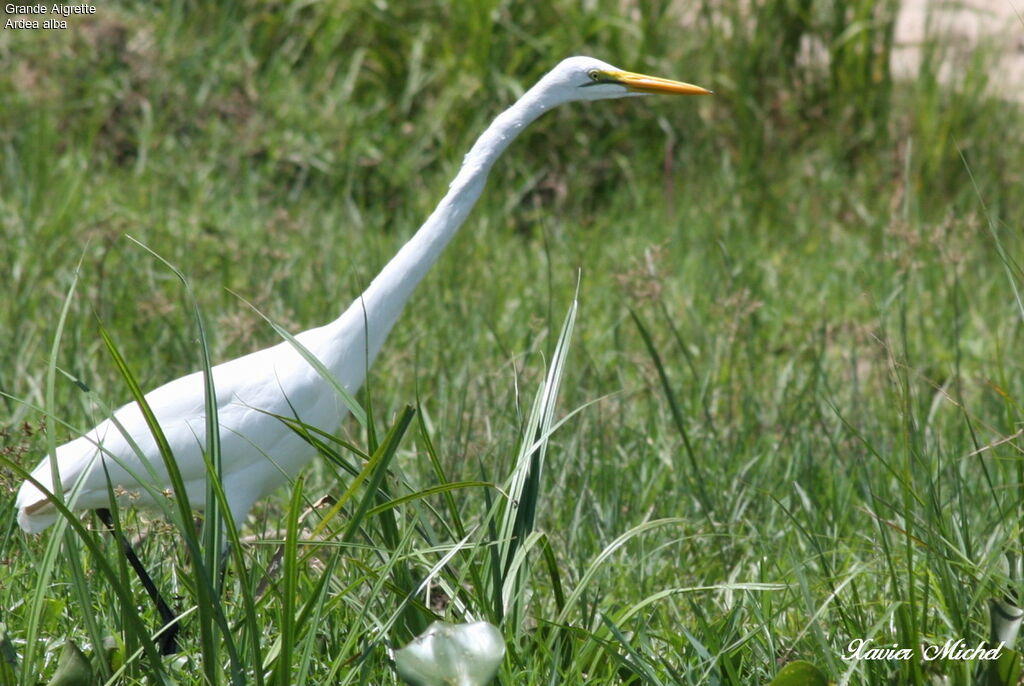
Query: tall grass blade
(216,509)
(53,547)
(523,492)
(289,584)
(698,478)
(210,610)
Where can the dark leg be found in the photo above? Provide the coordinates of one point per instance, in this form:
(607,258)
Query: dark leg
(168,640)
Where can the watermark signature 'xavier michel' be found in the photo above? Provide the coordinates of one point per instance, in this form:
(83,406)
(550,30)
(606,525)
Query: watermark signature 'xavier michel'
(862,649)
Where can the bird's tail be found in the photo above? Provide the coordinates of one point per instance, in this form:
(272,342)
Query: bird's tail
(35,511)
(36,522)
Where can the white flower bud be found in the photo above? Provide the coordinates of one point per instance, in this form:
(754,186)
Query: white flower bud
(452,655)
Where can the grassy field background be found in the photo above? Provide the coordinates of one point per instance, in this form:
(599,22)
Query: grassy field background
(796,353)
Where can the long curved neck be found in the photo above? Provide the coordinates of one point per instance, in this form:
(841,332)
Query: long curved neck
(382,302)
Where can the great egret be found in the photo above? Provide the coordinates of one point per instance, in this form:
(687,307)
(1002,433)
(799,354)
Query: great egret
(258,452)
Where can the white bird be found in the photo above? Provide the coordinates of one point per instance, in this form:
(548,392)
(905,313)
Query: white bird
(259,452)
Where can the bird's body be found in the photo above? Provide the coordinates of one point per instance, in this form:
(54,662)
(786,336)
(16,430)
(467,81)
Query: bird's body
(259,452)
(257,456)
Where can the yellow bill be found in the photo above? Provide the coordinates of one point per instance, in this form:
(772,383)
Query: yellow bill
(641,83)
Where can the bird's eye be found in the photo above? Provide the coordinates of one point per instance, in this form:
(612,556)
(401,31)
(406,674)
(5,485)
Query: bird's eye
(594,75)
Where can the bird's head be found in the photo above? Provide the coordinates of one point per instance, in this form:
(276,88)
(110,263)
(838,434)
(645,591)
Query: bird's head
(586,78)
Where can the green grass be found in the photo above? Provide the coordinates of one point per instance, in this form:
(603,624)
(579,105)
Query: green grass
(794,367)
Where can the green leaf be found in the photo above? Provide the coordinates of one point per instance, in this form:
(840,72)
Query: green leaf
(1005,670)
(799,673)
(73,668)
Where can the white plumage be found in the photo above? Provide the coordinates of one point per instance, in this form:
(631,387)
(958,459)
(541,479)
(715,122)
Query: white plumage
(259,453)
